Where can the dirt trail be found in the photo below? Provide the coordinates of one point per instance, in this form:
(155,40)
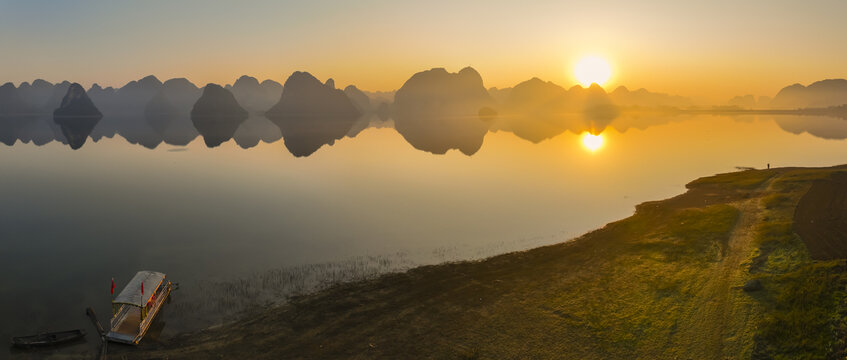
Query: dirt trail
(611,294)
(723,309)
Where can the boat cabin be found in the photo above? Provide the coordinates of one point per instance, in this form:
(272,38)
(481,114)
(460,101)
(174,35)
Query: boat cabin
(136,305)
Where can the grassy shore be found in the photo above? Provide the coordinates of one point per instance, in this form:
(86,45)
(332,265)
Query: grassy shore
(665,283)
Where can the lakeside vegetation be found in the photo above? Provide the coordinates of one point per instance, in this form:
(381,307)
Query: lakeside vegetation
(671,281)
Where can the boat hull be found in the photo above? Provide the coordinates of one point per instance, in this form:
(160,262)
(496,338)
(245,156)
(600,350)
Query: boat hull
(48,339)
(116,335)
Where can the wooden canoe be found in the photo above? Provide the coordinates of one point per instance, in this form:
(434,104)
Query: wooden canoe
(47,339)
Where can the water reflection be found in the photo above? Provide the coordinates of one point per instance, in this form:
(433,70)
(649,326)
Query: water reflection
(217,115)
(254,130)
(435,111)
(818,126)
(77,116)
(304,135)
(310,114)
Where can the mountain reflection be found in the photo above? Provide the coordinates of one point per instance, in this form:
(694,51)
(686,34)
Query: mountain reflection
(77,116)
(819,126)
(434,111)
(311,114)
(256,129)
(304,135)
(217,115)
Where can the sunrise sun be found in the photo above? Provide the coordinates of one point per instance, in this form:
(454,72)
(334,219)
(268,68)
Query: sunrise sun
(591,141)
(592,69)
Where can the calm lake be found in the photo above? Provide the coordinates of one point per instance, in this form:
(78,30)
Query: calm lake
(239,228)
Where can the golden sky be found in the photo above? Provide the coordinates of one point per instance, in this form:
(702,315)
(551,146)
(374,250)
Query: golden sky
(712,50)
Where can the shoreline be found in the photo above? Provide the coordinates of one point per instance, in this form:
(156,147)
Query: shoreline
(666,282)
(493,307)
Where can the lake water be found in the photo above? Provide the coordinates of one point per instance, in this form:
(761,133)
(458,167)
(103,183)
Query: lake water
(238,227)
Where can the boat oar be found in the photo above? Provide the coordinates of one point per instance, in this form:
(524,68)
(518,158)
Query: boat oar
(90,312)
(91,315)
(102,354)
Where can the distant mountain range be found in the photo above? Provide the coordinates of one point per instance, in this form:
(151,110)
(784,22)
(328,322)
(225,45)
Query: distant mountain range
(311,114)
(820,94)
(435,110)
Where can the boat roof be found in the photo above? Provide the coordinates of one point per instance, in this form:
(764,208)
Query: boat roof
(131,294)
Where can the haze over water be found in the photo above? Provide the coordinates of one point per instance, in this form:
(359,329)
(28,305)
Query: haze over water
(379,136)
(226,213)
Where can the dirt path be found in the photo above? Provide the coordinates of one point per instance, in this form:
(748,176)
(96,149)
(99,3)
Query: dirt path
(722,311)
(624,291)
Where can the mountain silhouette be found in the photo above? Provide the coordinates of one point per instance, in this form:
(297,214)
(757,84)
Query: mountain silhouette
(622,96)
(103,98)
(36,95)
(743,102)
(57,93)
(217,115)
(436,111)
(142,110)
(129,100)
(255,97)
(15,114)
(360,100)
(820,94)
(311,114)
(500,95)
(599,110)
(11,102)
(181,93)
(536,110)
(76,103)
(77,116)
(168,112)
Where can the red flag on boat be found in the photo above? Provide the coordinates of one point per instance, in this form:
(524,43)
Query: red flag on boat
(113,286)
(142,288)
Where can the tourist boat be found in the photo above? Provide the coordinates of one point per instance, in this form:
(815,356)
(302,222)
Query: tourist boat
(48,339)
(134,309)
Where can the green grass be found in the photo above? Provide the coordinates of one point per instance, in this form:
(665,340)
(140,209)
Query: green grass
(695,235)
(805,313)
(664,283)
(743,180)
(803,301)
(650,292)
(776,200)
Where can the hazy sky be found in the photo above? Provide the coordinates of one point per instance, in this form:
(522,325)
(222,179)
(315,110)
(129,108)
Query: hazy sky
(709,49)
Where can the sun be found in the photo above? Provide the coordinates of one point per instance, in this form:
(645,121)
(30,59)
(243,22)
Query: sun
(592,69)
(592,142)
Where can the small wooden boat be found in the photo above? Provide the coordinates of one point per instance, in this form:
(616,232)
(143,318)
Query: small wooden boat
(47,339)
(134,308)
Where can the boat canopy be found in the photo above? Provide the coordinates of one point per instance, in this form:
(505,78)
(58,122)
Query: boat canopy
(131,294)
